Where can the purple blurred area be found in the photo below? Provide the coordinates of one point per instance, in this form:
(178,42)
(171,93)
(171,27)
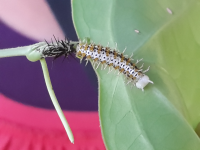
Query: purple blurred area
(23,81)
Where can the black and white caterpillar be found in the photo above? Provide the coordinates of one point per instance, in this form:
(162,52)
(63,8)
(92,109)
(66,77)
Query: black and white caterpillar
(100,55)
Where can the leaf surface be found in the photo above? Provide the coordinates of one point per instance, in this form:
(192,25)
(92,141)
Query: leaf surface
(164,116)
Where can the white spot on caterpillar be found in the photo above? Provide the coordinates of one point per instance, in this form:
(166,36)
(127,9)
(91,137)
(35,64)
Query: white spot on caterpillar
(169,11)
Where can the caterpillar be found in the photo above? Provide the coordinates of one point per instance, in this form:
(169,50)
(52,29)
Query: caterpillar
(59,48)
(105,56)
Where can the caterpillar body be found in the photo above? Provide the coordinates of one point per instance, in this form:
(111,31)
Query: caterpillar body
(105,56)
(58,48)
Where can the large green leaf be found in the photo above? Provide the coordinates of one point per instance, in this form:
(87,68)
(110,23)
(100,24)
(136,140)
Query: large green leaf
(164,116)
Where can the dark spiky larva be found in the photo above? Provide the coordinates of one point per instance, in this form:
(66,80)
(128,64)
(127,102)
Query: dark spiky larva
(59,48)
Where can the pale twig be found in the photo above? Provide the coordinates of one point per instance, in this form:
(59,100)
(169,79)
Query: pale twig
(55,101)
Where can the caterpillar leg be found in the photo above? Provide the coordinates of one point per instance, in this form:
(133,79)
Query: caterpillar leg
(105,66)
(115,45)
(150,81)
(110,70)
(98,65)
(128,82)
(115,71)
(81,60)
(108,44)
(141,66)
(132,86)
(94,64)
(86,62)
(139,61)
(118,73)
(101,66)
(125,79)
(131,55)
(146,70)
(124,50)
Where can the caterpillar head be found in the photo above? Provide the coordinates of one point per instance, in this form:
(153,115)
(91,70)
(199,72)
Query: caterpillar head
(142,82)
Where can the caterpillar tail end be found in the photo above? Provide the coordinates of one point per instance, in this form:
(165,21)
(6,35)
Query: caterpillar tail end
(143,81)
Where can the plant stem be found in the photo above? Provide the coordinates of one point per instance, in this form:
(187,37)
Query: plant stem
(11,52)
(54,100)
(30,51)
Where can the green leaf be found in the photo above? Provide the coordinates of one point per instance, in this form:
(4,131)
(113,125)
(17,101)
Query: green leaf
(164,116)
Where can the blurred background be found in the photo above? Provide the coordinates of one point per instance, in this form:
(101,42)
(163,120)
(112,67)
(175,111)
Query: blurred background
(27,116)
